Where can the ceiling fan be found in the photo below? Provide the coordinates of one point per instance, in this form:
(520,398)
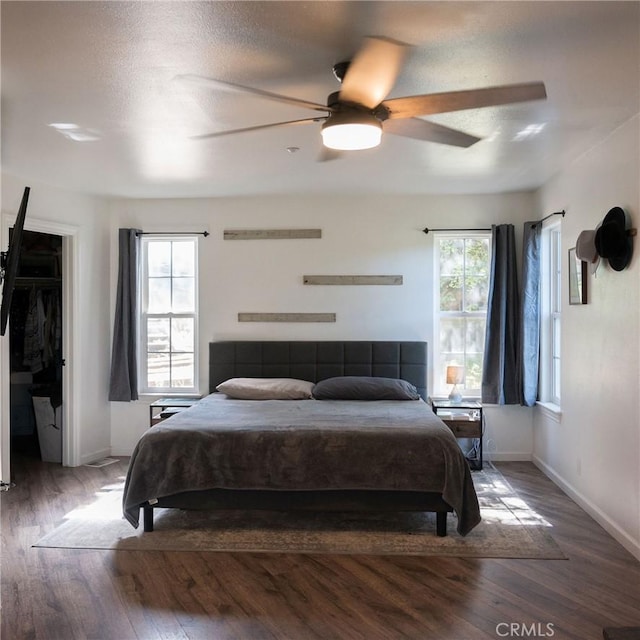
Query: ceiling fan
(356,116)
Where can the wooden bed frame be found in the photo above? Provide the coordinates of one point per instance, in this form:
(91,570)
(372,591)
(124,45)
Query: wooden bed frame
(313,361)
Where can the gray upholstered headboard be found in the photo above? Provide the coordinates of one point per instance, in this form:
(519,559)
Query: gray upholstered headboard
(316,361)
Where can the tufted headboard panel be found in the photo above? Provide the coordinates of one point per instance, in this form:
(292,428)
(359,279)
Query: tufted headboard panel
(316,361)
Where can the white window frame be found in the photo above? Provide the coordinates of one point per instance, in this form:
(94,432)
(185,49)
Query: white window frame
(143,315)
(440,388)
(550,390)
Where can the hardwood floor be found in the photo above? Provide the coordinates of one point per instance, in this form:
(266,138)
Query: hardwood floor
(85,594)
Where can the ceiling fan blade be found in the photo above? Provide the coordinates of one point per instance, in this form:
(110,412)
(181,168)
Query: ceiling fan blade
(232,86)
(219,134)
(373,71)
(458,100)
(430,131)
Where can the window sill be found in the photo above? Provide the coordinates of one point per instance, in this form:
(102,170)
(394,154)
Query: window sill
(169,394)
(550,410)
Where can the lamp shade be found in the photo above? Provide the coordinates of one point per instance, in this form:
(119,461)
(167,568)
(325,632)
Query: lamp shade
(455,374)
(351,131)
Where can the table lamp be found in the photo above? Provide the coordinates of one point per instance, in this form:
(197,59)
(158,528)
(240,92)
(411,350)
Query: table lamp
(455,376)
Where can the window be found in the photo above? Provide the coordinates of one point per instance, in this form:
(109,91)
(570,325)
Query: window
(463,264)
(550,319)
(168,314)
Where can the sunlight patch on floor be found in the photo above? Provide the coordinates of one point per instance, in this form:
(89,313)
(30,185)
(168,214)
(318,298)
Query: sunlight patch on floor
(107,504)
(499,503)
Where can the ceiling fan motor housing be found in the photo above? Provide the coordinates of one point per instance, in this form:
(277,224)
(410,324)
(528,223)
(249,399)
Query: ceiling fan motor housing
(351,116)
(339,106)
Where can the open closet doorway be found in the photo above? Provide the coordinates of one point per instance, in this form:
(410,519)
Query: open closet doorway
(35,356)
(66,237)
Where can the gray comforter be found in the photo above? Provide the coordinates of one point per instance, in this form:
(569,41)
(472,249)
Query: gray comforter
(301,445)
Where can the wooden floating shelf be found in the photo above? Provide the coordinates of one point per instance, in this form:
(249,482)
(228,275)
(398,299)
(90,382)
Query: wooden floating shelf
(286,317)
(271,234)
(353,280)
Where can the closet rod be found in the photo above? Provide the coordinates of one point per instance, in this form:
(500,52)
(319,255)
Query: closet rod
(173,233)
(25,282)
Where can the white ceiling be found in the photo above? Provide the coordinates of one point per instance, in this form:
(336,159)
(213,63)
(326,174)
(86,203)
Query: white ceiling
(110,68)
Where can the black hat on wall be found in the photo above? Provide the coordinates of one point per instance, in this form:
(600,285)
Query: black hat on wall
(613,240)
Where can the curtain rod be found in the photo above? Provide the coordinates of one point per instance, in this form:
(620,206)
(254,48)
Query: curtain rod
(173,233)
(556,213)
(427,230)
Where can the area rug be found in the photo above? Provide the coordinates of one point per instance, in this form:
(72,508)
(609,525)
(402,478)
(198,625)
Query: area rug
(509,529)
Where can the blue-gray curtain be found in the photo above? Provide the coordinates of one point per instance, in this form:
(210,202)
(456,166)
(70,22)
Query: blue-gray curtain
(500,372)
(530,313)
(123,384)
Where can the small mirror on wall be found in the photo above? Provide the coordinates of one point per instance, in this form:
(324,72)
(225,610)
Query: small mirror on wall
(577,279)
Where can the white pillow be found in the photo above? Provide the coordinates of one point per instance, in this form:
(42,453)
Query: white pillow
(266,388)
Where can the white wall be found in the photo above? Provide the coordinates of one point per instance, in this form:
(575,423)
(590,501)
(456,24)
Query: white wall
(87,218)
(594,452)
(360,235)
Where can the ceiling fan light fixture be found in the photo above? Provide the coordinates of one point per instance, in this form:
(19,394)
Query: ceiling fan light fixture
(351,131)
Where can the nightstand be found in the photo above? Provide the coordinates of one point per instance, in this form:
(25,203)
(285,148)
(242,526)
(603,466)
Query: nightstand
(465,419)
(162,408)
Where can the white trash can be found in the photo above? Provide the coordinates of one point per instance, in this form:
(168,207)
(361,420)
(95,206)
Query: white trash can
(49,425)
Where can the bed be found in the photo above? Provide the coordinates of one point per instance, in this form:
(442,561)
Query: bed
(342,452)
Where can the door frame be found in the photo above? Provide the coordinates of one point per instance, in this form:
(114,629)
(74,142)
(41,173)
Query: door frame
(70,346)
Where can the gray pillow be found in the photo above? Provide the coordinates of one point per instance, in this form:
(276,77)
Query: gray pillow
(364,388)
(266,388)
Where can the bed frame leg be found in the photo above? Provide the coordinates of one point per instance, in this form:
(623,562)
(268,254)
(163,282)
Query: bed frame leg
(441,523)
(147,518)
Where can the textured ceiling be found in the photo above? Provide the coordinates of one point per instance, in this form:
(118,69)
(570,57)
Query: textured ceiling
(110,68)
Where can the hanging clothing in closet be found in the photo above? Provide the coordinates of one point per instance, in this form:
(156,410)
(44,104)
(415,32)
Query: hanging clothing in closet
(42,330)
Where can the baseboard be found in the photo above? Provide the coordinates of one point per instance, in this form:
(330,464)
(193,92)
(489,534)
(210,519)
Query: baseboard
(96,455)
(631,545)
(507,457)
